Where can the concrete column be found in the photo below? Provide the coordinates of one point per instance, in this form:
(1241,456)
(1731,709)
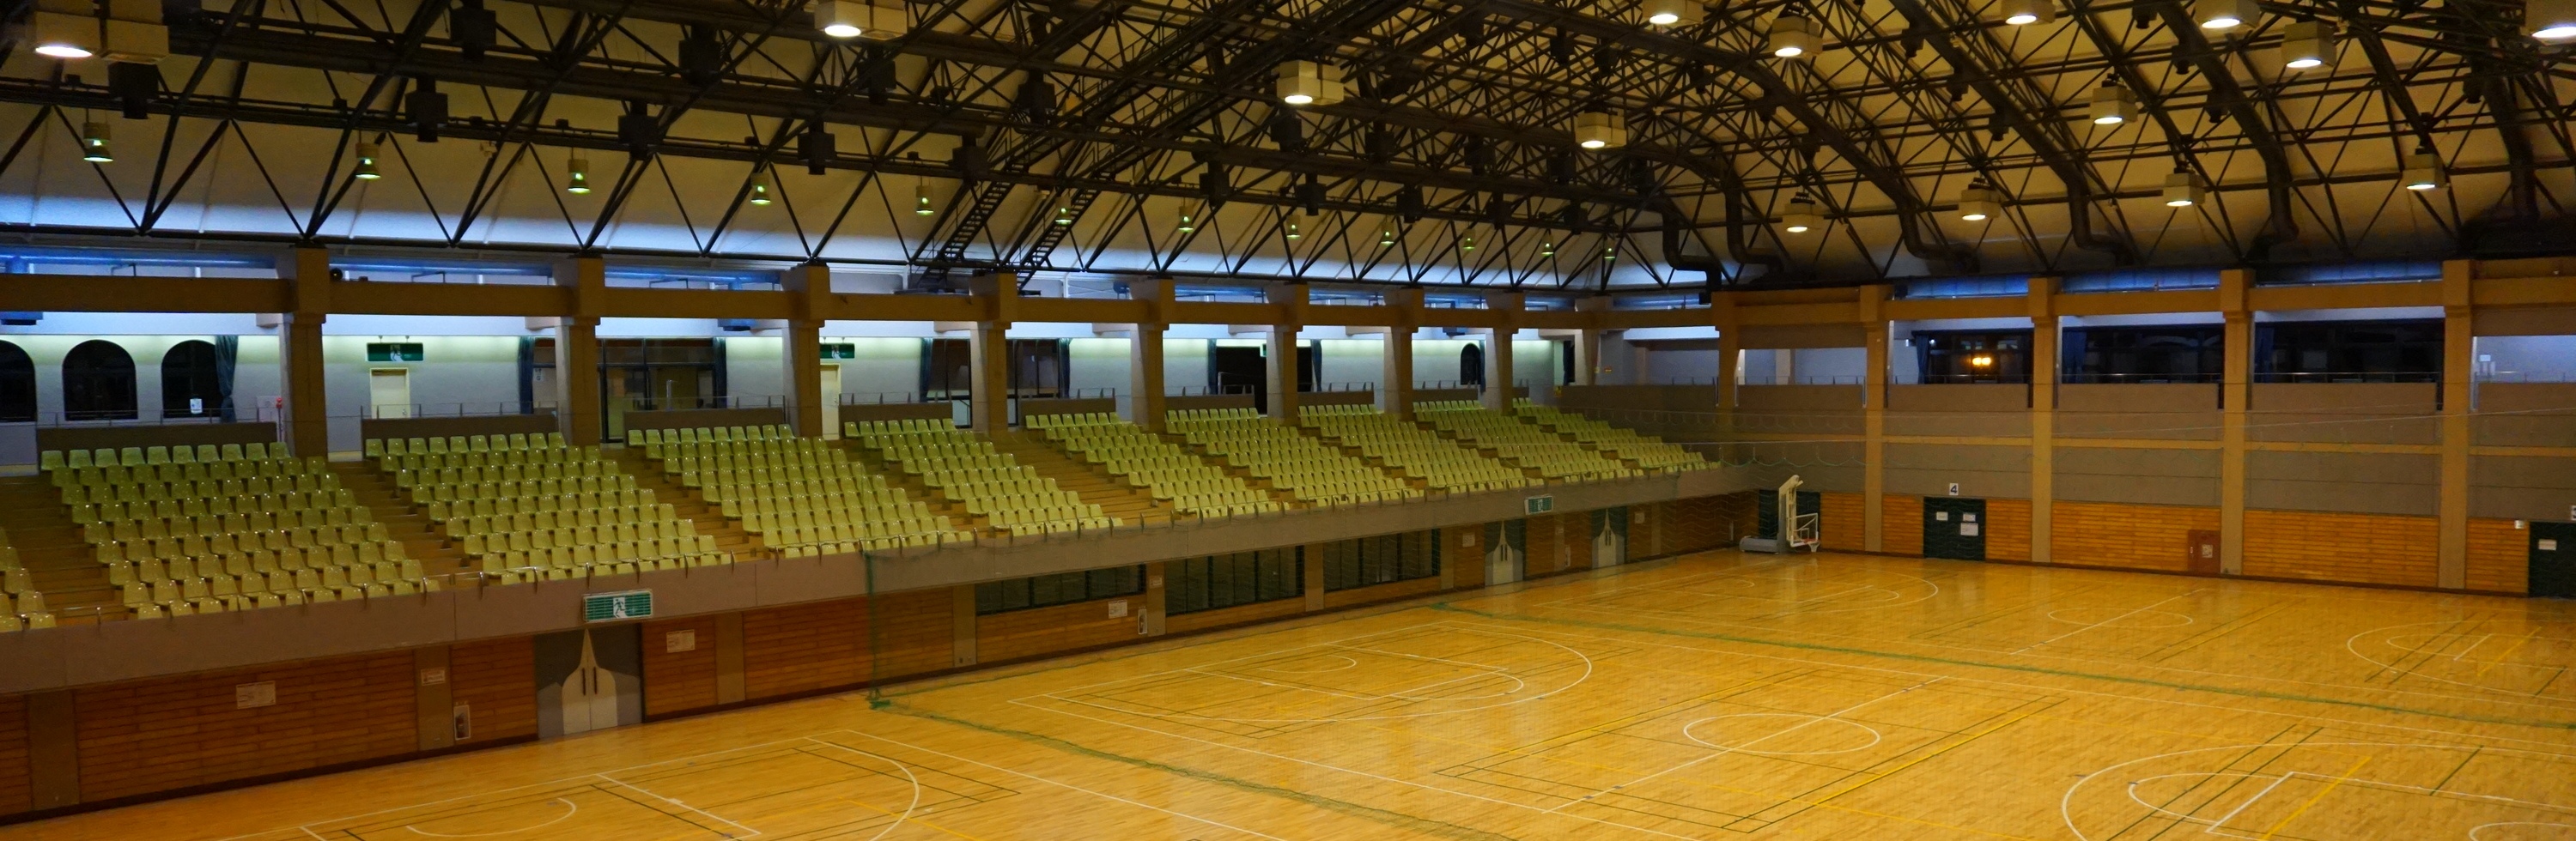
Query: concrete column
(1145,352)
(1395,386)
(577,380)
(1873,379)
(1730,361)
(989,352)
(2459,375)
(1314,575)
(2043,415)
(306,418)
(1157,599)
(1500,379)
(1587,341)
(1280,357)
(2235,391)
(811,286)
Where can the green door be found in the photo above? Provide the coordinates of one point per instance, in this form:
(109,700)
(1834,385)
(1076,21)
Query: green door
(2553,560)
(1954,528)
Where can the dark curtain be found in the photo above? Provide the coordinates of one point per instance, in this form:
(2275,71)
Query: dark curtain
(527,375)
(723,393)
(227,354)
(2070,346)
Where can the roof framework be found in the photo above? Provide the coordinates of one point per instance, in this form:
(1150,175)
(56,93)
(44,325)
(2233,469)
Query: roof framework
(1072,135)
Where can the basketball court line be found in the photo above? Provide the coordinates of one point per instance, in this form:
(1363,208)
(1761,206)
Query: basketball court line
(2158,603)
(2066,801)
(1065,785)
(1731,749)
(1070,696)
(2351,644)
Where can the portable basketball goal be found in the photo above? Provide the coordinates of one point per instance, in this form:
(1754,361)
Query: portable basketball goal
(1797,529)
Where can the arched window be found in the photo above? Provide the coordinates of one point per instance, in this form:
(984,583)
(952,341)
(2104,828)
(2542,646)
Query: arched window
(17,385)
(1471,365)
(190,387)
(98,382)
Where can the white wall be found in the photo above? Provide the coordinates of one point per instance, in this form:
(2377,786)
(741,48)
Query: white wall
(1534,364)
(2527,358)
(755,369)
(1185,364)
(1670,366)
(1098,363)
(1435,358)
(1829,365)
(476,375)
(883,370)
(1341,363)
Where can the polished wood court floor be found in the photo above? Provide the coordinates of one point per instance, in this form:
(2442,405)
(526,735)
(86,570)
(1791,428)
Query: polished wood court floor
(1719,696)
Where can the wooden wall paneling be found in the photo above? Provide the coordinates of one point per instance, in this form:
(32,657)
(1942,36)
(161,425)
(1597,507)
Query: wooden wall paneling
(912,633)
(17,783)
(155,736)
(1844,521)
(2008,524)
(729,686)
(2150,537)
(53,749)
(1575,528)
(1225,617)
(2351,548)
(1375,593)
(1462,557)
(496,681)
(804,648)
(683,680)
(2499,556)
(1904,535)
(1022,634)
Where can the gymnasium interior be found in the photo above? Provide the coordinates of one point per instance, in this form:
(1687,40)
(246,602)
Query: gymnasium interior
(1479,420)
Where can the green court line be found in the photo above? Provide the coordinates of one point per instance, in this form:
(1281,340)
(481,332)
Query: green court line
(1398,820)
(2010,667)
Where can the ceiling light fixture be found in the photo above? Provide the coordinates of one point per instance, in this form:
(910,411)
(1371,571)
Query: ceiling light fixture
(1674,12)
(1187,225)
(2549,20)
(1791,37)
(94,144)
(2027,12)
(1385,237)
(921,199)
(2113,105)
(63,30)
(577,177)
(2424,171)
(367,163)
(876,20)
(1466,243)
(2182,188)
(2222,15)
(1979,203)
(1310,83)
(1293,233)
(760,188)
(1064,214)
(1600,130)
(2308,44)
(1801,217)
(1547,249)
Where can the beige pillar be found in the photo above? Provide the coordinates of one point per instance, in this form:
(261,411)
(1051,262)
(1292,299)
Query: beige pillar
(1395,385)
(2235,391)
(1145,390)
(810,286)
(577,380)
(1156,600)
(989,352)
(1730,362)
(2043,415)
(1873,379)
(306,416)
(1587,341)
(2459,377)
(1280,357)
(1313,553)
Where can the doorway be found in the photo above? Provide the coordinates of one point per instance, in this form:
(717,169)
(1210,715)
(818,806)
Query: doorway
(389,392)
(1506,552)
(2202,555)
(2553,560)
(590,679)
(1239,370)
(1610,536)
(831,394)
(1954,528)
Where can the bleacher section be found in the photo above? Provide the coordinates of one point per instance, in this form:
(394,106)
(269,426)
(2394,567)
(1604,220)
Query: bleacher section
(1438,462)
(1291,462)
(1647,451)
(965,468)
(1525,444)
(1147,461)
(798,496)
(203,528)
(526,507)
(21,605)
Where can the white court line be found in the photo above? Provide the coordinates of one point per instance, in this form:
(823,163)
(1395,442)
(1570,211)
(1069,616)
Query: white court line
(2026,649)
(1837,714)
(899,765)
(1351,771)
(710,815)
(2066,802)
(1331,643)
(1484,669)
(1588,667)
(570,809)
(1099,794)
(2048,690)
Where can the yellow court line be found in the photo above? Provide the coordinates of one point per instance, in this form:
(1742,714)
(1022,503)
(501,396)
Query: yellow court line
(2312,800)
(1920,759)
(2517,647)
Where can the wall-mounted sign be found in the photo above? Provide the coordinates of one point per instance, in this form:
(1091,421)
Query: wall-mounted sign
(616,607)
(1539,504)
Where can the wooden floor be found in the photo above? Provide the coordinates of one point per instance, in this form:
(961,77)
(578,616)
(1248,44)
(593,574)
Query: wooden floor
(1714,697)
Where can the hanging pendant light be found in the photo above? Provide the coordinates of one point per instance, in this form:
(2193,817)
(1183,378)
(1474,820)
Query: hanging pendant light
(1064,214)
(367,163)
(2308,44)
(1547,249)
(1979,203)
(94,144)
(61,34)
(1600,130)
(1186,225)
(1792,37)
(2113,105)
(2424,171)
(2027,12)
(2182,188)
(2223,15)
(760,188)
(1385,237)
(1466,243)
(1674,12)
(577,176)
(1309,83)
(2549,20)
(1293,233)
(1801,217)
(921,199)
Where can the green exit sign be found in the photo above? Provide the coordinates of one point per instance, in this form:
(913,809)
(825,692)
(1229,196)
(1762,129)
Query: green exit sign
(1540,504)
(612,607)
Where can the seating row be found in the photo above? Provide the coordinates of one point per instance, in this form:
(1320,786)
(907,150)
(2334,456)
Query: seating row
(374,447)
(51,460)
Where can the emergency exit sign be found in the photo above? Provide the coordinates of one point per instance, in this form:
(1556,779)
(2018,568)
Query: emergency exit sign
(1539,504)
(613,607)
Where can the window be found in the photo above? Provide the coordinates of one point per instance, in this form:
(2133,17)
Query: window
(17,385)
(2177,353)
(1039,367)
(191,386)
(1062,588)
(2348,351)
(1973,356)
(1383,559)
(394,352)
(98,382)
(1240,578)
(947,370)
